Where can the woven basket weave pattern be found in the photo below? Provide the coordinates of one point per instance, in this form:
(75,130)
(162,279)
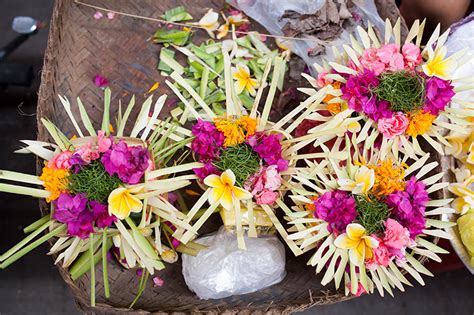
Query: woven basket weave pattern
(78,49)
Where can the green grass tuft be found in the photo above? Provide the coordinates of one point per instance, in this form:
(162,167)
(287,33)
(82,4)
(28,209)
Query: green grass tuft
(371,214)
(241,159)
(403,90)
(93,181)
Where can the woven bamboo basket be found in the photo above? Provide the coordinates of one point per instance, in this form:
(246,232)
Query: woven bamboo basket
(118,49)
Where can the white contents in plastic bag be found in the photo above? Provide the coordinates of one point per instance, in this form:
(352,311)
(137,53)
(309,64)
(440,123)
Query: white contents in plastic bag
(224,270)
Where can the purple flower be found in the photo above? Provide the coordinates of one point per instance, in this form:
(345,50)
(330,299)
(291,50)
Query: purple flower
(76,162)
(269,149)
(101,214)
(208,140)
(358,93)
(129,163)
(408,207)
(206,170)
(72,211)
(438,94)
(337,208)
(100,81)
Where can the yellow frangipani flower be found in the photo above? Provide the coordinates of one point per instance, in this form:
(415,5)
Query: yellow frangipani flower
(458,147)
(243,79)
(122,203)
(466,231)
(224,191)
(437,65)
(209,22)
(465,196)
(222,31)
(363,181)
(470,154)
(357,242)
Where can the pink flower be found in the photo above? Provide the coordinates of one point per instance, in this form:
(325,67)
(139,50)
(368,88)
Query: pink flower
(263,184)
(103,142)
(396,236)
(158,282)
(392,58)
(61,160)
(360,289)
(411,55)
(98,15)
(322,80)
(86,153)
(110,15)
(370,60)
(393,126)
(266,197)
(100,81)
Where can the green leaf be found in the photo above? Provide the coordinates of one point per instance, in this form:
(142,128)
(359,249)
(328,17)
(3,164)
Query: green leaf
(177,14)
(179,38)
(246,100)
(168,63)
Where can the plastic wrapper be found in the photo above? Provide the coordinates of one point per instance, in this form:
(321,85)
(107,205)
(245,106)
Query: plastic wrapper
(268,13)
(224,270)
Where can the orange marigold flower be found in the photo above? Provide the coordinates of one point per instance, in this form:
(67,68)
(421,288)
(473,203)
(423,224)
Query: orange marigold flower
(334,108)
(54,181)
(236,131)
(388,178)
(420,122)
(311,206)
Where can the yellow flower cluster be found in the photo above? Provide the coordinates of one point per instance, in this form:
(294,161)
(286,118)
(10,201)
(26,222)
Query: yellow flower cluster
(54,181)
(420,122)
(236,130)
(388,178)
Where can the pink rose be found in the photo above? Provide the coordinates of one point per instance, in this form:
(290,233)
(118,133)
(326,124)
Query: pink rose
(411,55)
(104,143)
(370,60)
(390,55)
(322,80)
(266,197)
(86,153)
(272,178)
(396,236)
(61,160)
(393,126)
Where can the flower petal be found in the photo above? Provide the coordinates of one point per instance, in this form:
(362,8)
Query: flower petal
(215,195)
(227,201)
(355,231)
(213,181)
(370,241)
(240,193)
(228,178)
(342,241)
(121,202)
(355,257)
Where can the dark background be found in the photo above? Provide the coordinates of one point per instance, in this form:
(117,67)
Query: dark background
(33,285)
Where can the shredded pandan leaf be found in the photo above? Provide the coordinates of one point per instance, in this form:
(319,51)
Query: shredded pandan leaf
(241,159)
(177,14)
(94,181)
(371,213)
(403,90)
(179,38)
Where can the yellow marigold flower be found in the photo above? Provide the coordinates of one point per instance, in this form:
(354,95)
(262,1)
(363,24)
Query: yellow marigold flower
(54,181)
(224,191)
(437,65)
(243,80)
(420,122)
(122,203)
(357,242)
(236,131)
(388,178)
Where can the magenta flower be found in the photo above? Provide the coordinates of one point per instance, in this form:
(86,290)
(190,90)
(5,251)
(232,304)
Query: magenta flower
(101,214)
(208,140)
(206,170)
(438,94)
(128,163)
(100,81)
(269,149)
(358,93)
(72,211)
(338,208)
(408,207)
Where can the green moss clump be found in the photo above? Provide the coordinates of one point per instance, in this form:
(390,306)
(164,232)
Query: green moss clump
(241,159)
(402,89)
(93,181)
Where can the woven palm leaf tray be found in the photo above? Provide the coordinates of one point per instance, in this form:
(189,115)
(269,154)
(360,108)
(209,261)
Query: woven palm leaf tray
(77,51)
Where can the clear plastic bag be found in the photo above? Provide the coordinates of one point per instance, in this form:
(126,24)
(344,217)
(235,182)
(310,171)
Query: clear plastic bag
(224,270)
(268,13)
